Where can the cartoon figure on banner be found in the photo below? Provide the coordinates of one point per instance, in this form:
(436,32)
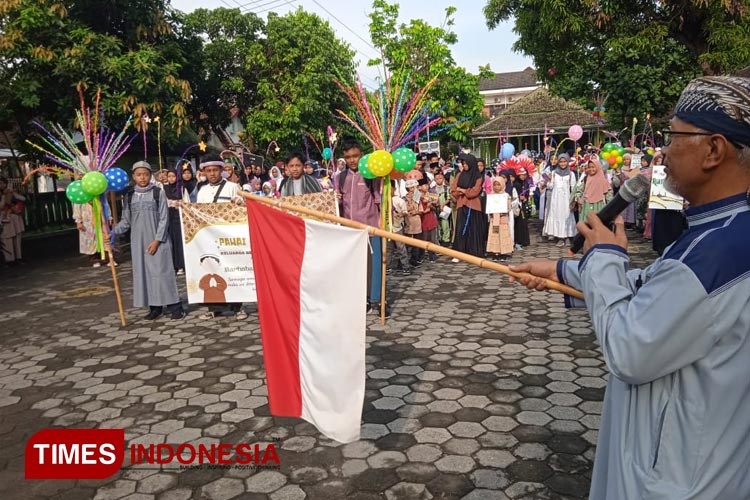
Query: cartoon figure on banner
(212,283)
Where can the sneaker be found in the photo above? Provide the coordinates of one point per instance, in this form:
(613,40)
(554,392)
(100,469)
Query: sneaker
(208,315)
(518,247)
(179,314)
(454,260)
(406,272)
(180,272)
(388,270)
(96,264)
(152,315)
(560,243)
(241,315)
(113,262)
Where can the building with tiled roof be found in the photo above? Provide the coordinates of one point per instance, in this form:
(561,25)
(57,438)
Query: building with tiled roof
(504,89)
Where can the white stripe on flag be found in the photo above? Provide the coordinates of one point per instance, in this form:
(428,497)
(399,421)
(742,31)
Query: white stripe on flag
(333,296)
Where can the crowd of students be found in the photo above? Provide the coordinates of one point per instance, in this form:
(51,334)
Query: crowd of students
(442,202)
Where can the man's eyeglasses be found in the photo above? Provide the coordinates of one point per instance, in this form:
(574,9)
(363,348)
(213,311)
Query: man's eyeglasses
(668,133)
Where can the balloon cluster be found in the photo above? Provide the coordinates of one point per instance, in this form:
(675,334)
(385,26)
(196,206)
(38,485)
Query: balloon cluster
(95,183)
(612,154)
(599,112)
(381,163)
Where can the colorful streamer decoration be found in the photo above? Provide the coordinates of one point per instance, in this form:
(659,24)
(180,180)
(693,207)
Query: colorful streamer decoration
(94,169)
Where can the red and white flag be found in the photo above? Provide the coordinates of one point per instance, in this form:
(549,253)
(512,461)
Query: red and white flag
(311,281)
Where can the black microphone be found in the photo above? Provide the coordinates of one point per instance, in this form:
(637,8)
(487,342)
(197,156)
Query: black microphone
(630,191)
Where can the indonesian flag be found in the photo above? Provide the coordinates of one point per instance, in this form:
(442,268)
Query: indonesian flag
(311,280)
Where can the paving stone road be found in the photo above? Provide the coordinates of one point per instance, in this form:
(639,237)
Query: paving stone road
(476,389)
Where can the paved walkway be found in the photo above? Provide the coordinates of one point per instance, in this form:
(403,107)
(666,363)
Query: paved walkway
(476,389)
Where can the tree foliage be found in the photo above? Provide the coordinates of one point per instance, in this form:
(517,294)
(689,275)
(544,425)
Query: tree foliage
(126,48)
(639,52)
(296,66)
(219,45)
(424,51)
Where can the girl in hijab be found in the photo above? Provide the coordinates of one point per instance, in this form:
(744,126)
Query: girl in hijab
(499,239)
(523,186)
(276,176)
(559,222)
(172,190)
(268,190)
(470,226)
(594,191)
(187,183)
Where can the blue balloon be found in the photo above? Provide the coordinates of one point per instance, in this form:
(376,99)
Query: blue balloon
(507,151)
(118,179)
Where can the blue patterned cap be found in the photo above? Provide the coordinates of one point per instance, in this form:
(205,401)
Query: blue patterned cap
(719,104)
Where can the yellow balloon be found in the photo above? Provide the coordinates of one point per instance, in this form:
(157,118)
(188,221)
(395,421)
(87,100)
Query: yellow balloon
(605,155)
(380,163)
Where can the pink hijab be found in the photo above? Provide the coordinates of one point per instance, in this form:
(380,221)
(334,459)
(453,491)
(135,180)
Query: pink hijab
(596,185)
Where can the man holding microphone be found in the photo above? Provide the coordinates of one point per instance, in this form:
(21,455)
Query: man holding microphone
(676,335)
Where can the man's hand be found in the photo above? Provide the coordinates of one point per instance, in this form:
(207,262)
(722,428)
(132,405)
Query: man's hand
(541,269)
(153,247)
(596,233)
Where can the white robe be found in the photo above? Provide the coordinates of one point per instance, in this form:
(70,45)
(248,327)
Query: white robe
(559,221)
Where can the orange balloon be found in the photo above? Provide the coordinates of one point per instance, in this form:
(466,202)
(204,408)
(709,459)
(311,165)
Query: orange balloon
(396,175)
(612,160)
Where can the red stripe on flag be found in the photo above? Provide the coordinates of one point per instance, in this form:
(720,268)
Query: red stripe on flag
(277,242)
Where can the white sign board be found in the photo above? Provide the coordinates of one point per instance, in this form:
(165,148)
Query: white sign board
(497,203)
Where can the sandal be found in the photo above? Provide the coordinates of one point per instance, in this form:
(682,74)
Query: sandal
(241,315)
(208,315)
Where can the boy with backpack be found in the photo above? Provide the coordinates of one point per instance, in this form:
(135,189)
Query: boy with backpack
(146,214)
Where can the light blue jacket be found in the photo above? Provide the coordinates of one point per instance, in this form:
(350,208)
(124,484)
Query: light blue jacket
(676,339)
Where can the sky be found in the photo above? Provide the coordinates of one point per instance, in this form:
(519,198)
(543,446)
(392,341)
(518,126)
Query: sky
(476,46)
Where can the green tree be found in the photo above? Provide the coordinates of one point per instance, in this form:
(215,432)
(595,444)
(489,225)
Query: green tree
(639,52)
(424,52)
(296,67)
(219,44)
(48,49)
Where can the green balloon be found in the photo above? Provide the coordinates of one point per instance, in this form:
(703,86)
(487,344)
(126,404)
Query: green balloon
(608,147)
(76,194)
(404,160)
(94,183)
(362,168)
(621,151)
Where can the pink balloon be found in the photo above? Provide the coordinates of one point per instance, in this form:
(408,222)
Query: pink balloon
(575,132)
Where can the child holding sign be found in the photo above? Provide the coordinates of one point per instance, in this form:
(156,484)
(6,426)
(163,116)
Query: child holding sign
(499,240)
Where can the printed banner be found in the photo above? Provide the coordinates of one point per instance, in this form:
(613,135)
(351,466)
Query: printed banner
(218,264)
(661,198)
(216,242)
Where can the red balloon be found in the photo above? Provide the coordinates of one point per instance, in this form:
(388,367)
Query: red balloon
(396,175)
(551,72)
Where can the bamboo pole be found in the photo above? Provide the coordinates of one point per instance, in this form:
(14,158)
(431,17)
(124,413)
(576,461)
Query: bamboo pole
(105,230)
(428,247)
(383,274)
